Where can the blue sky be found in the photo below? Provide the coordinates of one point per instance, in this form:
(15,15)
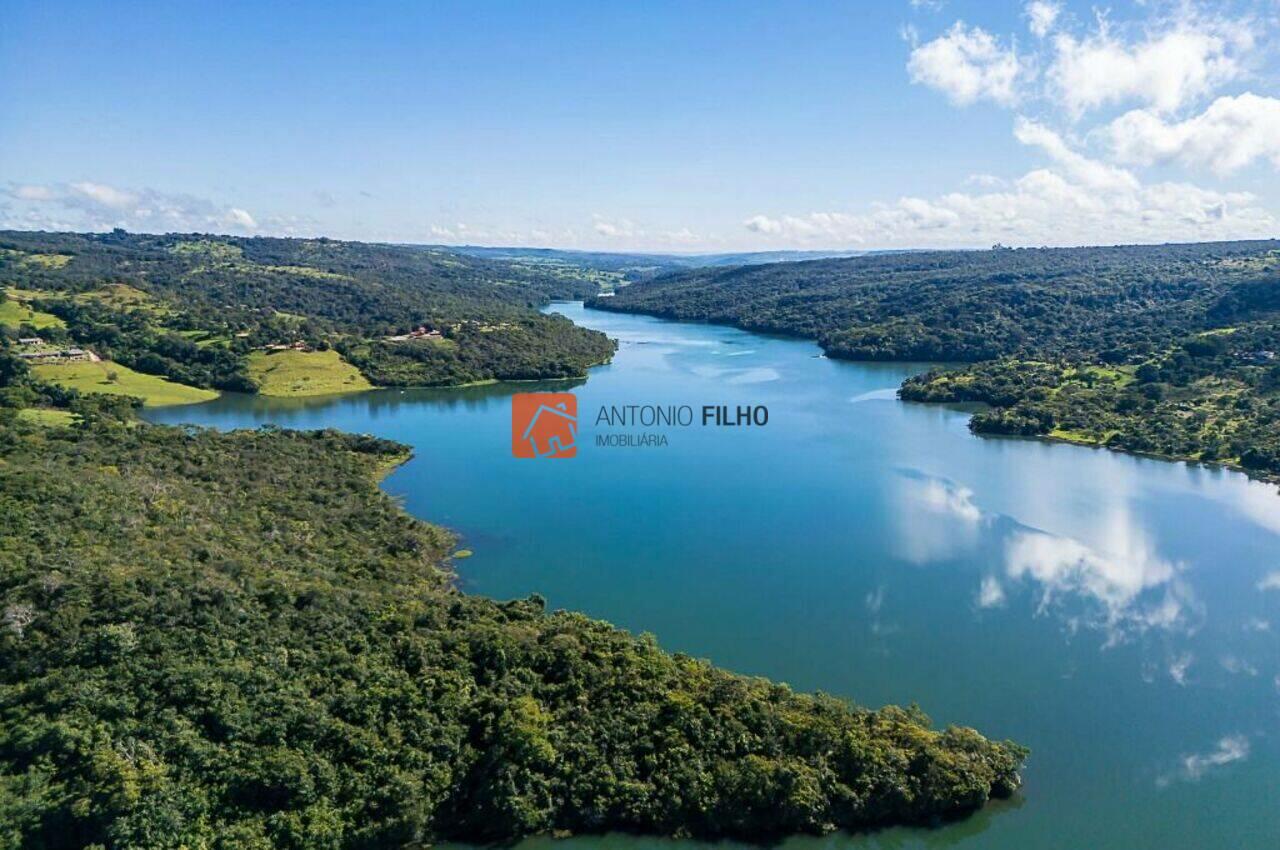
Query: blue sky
(664,126)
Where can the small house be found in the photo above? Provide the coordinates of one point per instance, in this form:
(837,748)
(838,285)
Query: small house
(552,431)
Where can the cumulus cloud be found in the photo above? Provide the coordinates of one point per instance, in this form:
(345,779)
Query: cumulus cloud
(237,217)
(1074,200)
(1230,134)
(1230,749)
(614,229)
(32,193)
(1165,68)
(967,64)
(449,232)
(107,196)
(1271,581)
(1163,63)
(1041,16)
(986,181)
(763,224)
(1086,172)
(87,205)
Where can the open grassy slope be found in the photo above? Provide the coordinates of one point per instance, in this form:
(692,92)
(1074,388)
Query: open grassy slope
(96,378)
(14,314)
(304,373)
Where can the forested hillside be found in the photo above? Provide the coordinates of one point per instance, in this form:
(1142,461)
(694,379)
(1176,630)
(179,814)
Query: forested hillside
(190,307)
(1168,349)
(237,641)
(612,269)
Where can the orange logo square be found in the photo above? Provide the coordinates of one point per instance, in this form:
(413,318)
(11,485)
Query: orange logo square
(544,425)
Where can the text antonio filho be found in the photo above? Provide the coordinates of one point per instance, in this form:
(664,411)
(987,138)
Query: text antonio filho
(681,415)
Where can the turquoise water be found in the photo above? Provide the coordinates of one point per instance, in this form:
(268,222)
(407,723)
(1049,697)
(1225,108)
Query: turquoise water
(1113,613)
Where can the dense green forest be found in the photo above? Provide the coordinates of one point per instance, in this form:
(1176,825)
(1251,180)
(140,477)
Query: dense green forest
(191,307)
(1168,349)
(236,640)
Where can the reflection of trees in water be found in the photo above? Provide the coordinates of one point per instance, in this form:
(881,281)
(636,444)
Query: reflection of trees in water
(477,397)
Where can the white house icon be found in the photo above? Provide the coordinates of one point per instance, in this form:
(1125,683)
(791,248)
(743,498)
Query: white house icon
(554,427)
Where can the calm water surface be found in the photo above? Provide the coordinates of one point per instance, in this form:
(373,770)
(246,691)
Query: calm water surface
(1120,616)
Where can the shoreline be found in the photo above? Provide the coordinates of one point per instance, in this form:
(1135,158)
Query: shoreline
(1252,475)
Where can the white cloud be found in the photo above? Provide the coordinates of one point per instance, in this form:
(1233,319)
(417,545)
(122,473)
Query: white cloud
(967,64)
(1074,200)
(1271,581)
(33,193)
(1089,173)
(619,229)
(1231,748)
(763,224)
(1165,68)
(1041,16)
(88,205)
(1230,134)
(683,236)
(107,196)
(455,231)
(237,217)
(986,181)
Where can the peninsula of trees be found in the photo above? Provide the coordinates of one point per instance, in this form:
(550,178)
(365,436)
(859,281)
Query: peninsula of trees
(238,641)
(1171,350)
(193,309)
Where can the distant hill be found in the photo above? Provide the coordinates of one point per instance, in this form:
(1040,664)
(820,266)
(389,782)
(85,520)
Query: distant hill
(192,307)
(636,267)
(1171,350)
(1117,303)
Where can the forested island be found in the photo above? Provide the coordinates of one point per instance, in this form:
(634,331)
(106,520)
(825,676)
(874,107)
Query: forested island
(196,310)
(237,640)
(1171,350)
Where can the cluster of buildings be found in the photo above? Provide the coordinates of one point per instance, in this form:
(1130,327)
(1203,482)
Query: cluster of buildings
(417,333)
(41,354)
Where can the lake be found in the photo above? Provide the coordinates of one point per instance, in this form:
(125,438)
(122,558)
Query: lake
(1118,615)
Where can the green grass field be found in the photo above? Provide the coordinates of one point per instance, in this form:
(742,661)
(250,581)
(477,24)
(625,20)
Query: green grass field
(47,418)
(94,378)
(13,314)
(304,373)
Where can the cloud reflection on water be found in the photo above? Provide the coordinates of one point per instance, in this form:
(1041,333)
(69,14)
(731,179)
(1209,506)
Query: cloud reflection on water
(937,519)
(1111,578)
(1230,748)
